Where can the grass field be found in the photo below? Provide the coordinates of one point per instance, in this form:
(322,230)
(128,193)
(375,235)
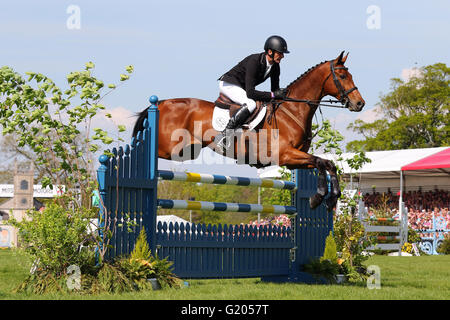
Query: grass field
(406,278)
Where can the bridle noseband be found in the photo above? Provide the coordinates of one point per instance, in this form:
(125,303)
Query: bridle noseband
(343,94)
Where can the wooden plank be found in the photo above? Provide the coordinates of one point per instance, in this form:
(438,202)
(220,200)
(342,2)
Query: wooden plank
(385,246)
(382,229)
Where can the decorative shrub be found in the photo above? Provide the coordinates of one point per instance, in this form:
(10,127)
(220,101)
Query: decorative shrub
(57,238)
(444,247)
(54,237)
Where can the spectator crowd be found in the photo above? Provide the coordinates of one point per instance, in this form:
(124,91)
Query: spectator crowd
(426,210)
(416,200)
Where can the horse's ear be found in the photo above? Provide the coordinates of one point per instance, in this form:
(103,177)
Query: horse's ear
(341,59)
(344,58)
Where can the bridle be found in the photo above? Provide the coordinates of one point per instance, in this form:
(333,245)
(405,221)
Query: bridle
(343,98)
(343,94)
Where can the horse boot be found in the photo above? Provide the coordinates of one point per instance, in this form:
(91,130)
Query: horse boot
(235,122)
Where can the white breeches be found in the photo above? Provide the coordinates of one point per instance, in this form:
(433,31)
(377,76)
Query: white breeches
(237,94)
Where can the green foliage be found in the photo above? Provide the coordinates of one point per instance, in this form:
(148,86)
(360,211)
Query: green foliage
(329,139)
(322,268)
(141,249)
(112,280)
(54,236)
(350,236)
(415,114)
(141,265)
(444,247)
(52,127)
(328,265)
(330,252)
(43,282)
(54,124)
(137,271)
(413,236)
(127,274)
(164,274)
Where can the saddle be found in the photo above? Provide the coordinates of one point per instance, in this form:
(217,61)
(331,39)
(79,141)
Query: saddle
(226,103)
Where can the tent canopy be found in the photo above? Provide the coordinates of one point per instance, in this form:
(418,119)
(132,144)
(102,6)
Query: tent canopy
(440,160)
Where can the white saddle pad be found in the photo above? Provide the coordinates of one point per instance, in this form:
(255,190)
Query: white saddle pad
(222,116)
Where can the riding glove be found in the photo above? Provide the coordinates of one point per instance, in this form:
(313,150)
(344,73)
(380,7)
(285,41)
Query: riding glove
(280,93)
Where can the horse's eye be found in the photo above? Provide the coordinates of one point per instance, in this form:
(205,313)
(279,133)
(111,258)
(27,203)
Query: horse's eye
(342,76)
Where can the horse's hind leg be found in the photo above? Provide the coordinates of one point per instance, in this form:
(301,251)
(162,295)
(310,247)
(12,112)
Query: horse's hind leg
(296,159)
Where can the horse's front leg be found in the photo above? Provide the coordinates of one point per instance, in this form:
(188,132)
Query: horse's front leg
(335,187)
(322,185)
(295,159)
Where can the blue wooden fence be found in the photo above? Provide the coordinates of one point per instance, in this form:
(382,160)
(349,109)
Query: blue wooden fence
(128,190)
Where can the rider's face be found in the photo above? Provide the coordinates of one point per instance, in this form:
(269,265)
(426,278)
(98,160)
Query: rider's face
(276,57)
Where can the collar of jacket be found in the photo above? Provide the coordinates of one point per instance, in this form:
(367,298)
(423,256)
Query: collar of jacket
(262,59)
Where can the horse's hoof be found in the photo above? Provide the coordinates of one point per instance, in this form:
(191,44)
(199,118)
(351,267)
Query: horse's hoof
(331,203)
(315,201)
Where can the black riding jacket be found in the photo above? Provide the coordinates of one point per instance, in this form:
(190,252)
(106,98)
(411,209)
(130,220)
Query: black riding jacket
(249,73)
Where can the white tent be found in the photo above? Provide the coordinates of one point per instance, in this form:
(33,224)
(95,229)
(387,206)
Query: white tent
(384,170)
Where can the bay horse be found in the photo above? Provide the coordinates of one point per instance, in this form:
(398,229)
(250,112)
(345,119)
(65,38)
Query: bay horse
(291,117)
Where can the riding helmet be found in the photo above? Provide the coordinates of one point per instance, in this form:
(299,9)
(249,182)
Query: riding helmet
(276,43)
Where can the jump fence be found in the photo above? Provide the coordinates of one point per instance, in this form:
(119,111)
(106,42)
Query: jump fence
(128,189)
(397,232)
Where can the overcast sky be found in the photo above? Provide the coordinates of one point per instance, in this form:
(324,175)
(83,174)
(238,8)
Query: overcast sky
(180,48)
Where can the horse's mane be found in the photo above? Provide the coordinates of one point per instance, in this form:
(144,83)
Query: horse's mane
(304,74)
(141,116)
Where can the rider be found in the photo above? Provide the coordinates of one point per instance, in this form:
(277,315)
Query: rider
(239,83)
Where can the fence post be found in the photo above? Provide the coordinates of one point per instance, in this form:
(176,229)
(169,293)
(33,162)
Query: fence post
(152,158)
(103,195)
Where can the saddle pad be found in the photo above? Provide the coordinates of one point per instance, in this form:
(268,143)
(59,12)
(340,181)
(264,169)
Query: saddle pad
(222,116)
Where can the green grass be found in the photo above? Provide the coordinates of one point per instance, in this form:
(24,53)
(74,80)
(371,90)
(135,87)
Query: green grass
(408,278)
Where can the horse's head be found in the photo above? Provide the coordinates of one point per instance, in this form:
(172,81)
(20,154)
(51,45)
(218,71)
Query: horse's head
(342,86)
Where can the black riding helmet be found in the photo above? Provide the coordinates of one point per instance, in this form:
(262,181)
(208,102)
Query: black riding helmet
(276,43)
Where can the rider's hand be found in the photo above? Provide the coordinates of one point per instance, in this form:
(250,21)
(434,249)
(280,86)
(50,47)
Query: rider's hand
(280,93)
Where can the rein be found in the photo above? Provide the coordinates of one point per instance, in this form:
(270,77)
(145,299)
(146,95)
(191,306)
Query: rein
(315,102)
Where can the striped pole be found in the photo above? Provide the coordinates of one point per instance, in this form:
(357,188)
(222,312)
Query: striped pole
(223,206)
(383,219)
(230,180)
(387,238)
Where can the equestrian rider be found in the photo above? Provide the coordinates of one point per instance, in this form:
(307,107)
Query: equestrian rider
(239,83)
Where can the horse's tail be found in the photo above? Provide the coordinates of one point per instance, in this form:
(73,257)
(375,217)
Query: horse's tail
(139,124)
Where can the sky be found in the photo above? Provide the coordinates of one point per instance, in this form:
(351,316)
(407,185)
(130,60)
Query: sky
(180,48)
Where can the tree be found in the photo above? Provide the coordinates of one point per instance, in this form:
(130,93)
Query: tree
(52,126)
(415,114)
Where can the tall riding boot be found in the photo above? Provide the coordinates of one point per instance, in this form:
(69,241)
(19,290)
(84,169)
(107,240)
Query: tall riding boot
(235,122)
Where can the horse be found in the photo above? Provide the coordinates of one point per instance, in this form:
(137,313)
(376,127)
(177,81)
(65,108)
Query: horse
(292,119)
